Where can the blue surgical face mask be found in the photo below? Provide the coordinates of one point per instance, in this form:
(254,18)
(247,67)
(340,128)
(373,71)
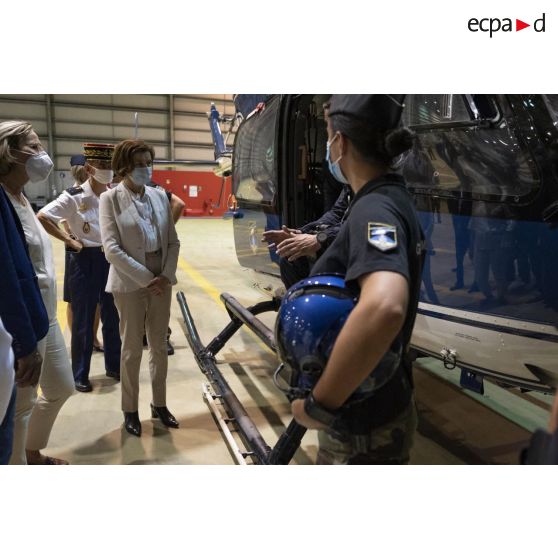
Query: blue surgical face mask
(141,175)
(334,168)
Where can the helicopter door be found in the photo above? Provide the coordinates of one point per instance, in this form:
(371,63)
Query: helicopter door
(255,186)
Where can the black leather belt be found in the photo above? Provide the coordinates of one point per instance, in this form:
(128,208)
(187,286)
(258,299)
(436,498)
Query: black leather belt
(92,249)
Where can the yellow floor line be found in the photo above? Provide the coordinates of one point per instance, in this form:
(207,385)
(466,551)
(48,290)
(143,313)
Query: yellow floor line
(208,288)
(212,292)
(61,314)
(200,281)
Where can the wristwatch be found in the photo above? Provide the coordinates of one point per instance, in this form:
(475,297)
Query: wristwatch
(322,238)
(318,412)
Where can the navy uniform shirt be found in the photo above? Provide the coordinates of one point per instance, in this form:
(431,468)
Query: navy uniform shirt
(79,206)
(330,222)
(381,232)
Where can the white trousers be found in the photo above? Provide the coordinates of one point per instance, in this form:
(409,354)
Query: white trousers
(35,415)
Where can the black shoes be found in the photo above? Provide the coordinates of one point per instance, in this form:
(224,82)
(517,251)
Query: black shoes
(84,386)
(132,423)
(170,348)
(113,375)
(164,415)
(458,285)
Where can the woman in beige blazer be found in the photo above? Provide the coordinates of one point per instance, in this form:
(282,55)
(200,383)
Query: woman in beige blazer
(140,243)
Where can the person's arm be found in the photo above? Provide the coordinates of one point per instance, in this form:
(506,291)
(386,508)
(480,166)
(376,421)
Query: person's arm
(173,250)
(56,212)
(13,309)
(305,243)
(54,230)
(177,207)
(275,237)
(112,245)
(298,245)
(332,217)
(16,318)
(64,223)
(379,316)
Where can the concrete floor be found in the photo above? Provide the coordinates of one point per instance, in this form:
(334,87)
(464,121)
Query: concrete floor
(89,427)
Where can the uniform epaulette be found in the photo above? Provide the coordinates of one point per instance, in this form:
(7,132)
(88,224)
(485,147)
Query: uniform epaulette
(74,190)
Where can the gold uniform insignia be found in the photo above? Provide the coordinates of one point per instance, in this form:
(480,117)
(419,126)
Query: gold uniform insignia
(82,207)
(86,227)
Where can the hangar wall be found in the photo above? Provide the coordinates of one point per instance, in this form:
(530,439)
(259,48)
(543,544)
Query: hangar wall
(176,125)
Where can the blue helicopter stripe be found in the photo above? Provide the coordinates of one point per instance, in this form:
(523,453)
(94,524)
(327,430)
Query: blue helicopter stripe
(492,327)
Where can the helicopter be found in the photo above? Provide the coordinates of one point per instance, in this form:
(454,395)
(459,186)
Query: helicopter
(483,172)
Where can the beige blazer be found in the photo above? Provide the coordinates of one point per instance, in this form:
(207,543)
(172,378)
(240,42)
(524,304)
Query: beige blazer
(123,239)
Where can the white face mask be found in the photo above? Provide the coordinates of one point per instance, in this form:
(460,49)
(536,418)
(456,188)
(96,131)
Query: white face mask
(104,176)
(38,167)
(141,175)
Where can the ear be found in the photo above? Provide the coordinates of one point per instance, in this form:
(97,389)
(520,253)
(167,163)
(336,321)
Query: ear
(343,144)
(338,147)
(89,169)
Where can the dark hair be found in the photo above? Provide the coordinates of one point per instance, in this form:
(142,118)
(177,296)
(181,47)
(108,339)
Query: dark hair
(374,145)
(123,157)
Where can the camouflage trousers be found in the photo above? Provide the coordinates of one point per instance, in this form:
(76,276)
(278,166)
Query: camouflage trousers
(389,444)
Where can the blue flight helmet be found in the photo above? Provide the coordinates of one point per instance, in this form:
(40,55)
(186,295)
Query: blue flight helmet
(311,315)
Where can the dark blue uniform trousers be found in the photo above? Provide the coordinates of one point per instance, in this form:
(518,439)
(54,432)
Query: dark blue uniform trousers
(88,278)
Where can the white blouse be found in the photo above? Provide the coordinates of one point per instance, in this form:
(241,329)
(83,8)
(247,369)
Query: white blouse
(147,221)
(40,252)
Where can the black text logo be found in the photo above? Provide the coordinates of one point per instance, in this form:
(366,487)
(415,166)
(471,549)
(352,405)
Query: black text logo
(493,25)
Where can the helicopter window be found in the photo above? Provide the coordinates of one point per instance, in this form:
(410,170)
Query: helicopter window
(421,110)
(552,101)
(254,164)
(479,162)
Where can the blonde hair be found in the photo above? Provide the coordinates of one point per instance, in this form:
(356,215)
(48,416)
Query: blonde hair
(79,173)
(11,132)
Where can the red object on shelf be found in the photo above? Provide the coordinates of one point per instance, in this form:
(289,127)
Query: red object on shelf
(200,191)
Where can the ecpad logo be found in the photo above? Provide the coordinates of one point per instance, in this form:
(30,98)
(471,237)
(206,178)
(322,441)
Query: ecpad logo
(493,25)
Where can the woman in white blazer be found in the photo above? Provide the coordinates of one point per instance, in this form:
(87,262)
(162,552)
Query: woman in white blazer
(140,243)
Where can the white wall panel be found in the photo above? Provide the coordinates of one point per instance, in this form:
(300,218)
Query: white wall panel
(104,116)
(17,111)
(158,102)
(146,134)
(110,118)
(194,154)
(202,105)
(193,137)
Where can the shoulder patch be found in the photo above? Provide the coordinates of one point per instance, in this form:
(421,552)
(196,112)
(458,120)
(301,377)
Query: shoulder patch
(382,236)
(73,191)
